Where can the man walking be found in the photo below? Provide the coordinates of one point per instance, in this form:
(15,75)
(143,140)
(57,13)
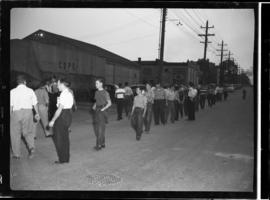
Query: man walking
(22,101)
(103,102)
(128,99)
(119,95)
(191,101)
(159,104)
(42,105)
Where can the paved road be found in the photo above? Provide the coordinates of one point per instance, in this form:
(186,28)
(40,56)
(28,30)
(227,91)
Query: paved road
(213,153)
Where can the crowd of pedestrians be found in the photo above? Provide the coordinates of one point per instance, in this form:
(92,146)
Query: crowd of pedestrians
(52,103)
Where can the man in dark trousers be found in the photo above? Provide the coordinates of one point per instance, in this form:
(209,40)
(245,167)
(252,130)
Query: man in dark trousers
(192,93)
(103,102)
(244,94)
(61,122)
(119,97)
(159,104)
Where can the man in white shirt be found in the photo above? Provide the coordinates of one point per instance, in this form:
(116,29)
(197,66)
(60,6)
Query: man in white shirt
(119,96)
(22,101)
(128,99)
(61,122)
(192,93)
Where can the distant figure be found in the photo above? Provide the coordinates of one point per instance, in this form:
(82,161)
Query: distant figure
(138,112)
(149,94)
(119,96)
(192,93)
(166,106)
(181,95)
(244,94)
(225,93)
(170,102)
(128,99)
(159,104)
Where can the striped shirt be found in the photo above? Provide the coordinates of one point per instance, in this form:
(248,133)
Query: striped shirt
(159,93)
(119,93)
(150,96)
(170,95)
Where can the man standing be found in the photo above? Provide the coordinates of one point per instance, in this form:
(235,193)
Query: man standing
(22,101)
(192,93)
(149,94)
(119,95)
(43,103)
(170,101)
(61,122)
(159,104)
(128,99)
(103,102)
(181,101)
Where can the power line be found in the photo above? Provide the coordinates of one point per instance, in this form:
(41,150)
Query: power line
(131,14)
(197,15)
(185,23)
(190,22)
(191,32)
(192,17)
(132,39)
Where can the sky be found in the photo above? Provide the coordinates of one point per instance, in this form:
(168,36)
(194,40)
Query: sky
(133,33)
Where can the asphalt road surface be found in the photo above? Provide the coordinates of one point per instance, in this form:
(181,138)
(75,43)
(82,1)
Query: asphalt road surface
(213,153)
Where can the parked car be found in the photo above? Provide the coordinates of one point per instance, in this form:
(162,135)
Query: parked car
(230,88)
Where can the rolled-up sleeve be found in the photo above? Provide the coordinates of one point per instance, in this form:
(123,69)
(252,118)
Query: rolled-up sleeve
(34,98)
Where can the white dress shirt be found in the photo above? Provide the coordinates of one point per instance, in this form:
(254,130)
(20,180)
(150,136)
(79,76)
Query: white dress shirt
(65,99)
(192,92)
(22,97)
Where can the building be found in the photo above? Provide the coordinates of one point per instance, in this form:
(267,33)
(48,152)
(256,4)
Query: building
(173,72)
(43,54)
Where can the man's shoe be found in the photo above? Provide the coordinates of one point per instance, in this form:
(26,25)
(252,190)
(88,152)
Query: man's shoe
(16,157)
(97,148)
(103,146)
(31,153)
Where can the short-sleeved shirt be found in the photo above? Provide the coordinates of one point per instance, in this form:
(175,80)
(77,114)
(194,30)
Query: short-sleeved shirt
(159,93)
(140,101)
(102,97)
(128,91)
(22,97)
(42,96)
(192,92)
(65,99)
(170,95)
(120,92)
(150,96)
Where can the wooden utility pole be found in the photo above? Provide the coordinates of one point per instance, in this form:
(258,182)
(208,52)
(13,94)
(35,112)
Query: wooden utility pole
(161,43)
(206,38)
(221,61)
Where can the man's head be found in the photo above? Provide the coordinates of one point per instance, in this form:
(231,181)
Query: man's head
(21,79)
(62,84)
(99,83)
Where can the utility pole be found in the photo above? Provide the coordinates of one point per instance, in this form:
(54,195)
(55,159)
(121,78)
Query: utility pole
(221,61)
(206,38)
(161,42)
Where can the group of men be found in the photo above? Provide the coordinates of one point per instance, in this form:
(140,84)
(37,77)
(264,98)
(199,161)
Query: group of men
(51,105)
(29,108)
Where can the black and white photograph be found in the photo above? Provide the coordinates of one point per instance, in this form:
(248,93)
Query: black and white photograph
(133,99)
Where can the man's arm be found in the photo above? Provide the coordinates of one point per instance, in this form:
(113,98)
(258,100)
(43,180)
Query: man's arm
(56,115)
